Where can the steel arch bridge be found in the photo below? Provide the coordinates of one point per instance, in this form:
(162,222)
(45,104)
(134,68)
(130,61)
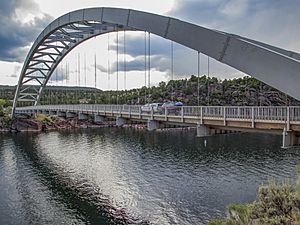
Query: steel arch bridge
(277,67)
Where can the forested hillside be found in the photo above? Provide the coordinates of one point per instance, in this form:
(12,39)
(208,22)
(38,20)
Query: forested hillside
(246,91)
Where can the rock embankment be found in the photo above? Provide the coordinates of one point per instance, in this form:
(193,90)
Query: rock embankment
(46,123)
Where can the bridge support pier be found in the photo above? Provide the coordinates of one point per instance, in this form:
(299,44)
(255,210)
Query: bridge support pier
(61,114)
(120,121)
(70,115)
(203,131)
(152,125)
(289,139)
(52,113)
(82,116)
(98,118)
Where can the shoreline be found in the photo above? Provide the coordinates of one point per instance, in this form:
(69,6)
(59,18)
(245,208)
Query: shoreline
(30,125)
(47,124)
(12,131)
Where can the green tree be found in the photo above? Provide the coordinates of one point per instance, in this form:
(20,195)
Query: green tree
(2,104)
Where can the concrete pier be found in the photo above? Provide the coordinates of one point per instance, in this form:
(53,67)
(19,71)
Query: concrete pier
(70,115)
(82,116)
(52,112)
(61,114)
(98,118)
(120,121)
(203,131)
(289,139)
(152,125)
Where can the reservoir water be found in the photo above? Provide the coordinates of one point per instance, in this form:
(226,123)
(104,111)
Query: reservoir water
(123,176)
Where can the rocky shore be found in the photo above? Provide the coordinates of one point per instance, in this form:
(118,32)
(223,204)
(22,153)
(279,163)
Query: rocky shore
(40,123)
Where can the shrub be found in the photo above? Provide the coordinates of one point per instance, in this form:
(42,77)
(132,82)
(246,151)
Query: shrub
(276,204)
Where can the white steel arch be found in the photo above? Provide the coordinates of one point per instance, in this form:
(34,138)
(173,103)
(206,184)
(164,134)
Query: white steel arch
(277,67)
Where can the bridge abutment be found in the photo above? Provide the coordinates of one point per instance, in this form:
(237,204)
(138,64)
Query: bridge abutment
(152,125)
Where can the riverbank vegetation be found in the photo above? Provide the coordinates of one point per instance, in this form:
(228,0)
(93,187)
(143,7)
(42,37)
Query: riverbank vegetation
(5,110)
(246,91)
(276,204)
(4,107)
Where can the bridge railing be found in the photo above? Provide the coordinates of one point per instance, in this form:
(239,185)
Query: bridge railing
(294,113)
(274,113)
(191,111)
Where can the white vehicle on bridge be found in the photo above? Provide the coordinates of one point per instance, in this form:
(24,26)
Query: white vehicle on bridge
(151,106)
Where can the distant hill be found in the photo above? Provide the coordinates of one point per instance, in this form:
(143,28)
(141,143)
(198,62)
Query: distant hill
(65,88)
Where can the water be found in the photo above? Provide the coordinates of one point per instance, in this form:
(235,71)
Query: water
(121,176)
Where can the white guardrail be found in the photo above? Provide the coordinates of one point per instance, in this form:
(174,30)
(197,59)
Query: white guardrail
(269,113)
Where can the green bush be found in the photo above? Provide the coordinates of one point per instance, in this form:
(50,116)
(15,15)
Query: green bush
(276,204)
(240,212)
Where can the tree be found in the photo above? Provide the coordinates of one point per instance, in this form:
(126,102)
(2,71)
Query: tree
(2,104)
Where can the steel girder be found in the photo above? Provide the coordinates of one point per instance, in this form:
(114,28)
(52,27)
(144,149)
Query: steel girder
(274,66)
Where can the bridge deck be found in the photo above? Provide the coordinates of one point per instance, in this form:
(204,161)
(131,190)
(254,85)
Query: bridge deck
(266,119)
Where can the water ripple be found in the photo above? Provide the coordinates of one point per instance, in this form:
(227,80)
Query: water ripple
(121,176)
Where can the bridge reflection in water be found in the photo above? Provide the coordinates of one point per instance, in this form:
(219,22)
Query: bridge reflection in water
(209,120)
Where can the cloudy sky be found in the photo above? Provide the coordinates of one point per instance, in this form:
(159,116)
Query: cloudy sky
(272,21)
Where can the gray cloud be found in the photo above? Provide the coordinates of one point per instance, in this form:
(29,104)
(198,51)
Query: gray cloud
(158,63)
(135,46)
(160,52)
(16,36)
